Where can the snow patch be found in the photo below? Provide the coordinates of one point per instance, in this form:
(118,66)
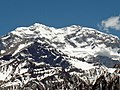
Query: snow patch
(21,46)
(81,65)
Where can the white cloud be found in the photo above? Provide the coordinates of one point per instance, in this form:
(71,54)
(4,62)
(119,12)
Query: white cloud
(112,22)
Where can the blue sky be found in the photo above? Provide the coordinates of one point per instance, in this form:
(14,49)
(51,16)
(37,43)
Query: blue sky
(59,13)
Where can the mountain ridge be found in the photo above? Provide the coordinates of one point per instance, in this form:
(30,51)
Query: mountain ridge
(38,54)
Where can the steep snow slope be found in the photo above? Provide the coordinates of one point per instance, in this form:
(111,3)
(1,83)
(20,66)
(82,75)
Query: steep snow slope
(39,64)
(76,41)
(46,57)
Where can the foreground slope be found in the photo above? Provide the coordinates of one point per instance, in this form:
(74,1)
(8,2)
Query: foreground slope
(75,57)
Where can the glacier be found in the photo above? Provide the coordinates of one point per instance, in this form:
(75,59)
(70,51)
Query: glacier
(39,57)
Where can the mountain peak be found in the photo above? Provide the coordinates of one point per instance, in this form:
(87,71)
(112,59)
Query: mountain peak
(73,40)
(63,58)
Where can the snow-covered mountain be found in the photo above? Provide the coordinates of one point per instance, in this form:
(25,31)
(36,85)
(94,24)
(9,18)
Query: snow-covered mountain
(45,58)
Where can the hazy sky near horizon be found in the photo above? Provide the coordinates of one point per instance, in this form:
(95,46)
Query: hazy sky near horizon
(99,14)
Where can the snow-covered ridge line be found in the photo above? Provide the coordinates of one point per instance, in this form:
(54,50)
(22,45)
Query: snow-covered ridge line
(73,40)
(38,57)
(52,29)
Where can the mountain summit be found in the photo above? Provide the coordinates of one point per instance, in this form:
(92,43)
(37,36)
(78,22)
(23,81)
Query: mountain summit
(45,58)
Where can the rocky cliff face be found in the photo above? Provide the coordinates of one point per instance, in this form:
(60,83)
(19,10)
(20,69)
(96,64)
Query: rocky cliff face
(71,58)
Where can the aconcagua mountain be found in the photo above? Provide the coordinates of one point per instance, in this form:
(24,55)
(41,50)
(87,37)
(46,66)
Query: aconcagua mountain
(71,58)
